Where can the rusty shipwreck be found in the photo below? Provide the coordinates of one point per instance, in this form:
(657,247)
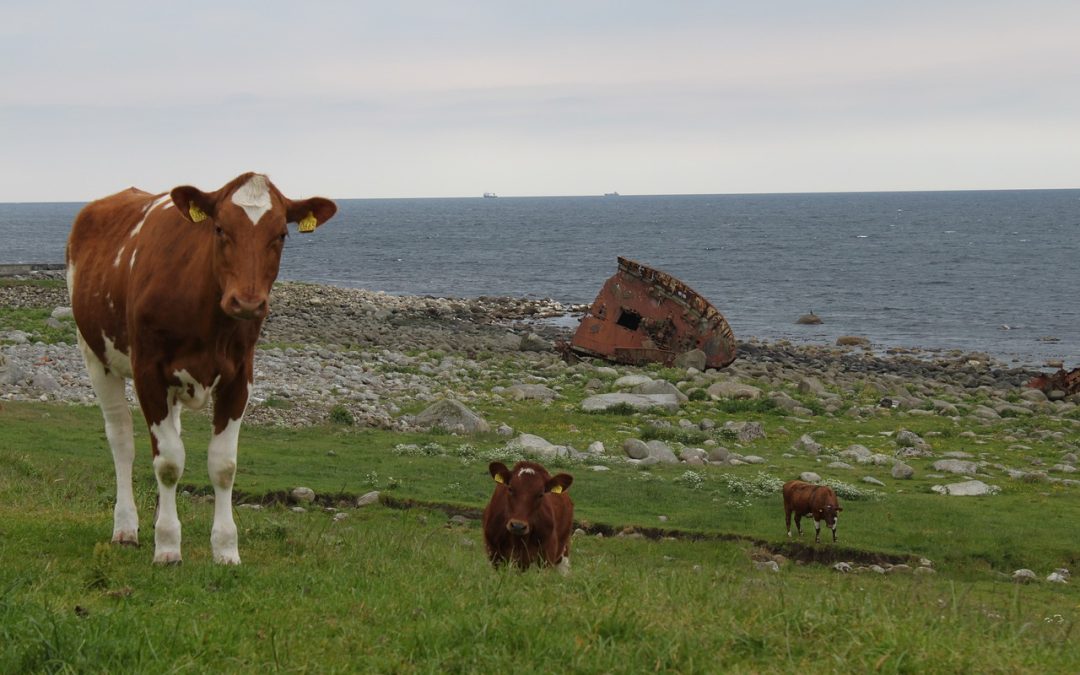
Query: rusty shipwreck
(643,315)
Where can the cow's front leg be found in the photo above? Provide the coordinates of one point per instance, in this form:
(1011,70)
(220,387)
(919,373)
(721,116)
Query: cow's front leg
(168,468)
(229,406)
(798,524)
(817,531)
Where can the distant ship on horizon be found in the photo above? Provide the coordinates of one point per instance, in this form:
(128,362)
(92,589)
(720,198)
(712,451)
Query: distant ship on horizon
(490,195)
(611,194)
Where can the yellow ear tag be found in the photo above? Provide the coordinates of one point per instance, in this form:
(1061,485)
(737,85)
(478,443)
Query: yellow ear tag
(197,214)
(557,489)
(309,223)
(499,479)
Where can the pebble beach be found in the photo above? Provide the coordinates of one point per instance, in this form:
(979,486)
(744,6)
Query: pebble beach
(372,354)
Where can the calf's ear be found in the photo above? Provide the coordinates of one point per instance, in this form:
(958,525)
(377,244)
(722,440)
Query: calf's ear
(499,472)
(559,483)
(192,203)
(310,213)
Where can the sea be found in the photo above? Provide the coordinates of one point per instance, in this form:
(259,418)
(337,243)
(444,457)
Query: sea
(977,271)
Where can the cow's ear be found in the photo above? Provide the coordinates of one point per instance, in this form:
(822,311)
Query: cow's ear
(499,472)
(310,213)
(192,203)
(559,483)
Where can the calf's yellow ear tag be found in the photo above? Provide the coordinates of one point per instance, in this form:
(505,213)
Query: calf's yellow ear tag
(197,214)
(308,224)
(499,479)
(557,489)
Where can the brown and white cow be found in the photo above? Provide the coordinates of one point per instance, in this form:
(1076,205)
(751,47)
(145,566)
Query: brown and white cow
(817,501)
(171,290)
(529,517)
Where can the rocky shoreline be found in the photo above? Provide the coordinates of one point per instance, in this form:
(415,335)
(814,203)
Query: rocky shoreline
(370,354)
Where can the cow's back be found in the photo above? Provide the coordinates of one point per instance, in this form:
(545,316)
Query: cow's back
(99,259)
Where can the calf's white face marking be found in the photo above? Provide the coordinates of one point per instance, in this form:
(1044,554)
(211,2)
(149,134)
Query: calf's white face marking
(254,197)
(526,470)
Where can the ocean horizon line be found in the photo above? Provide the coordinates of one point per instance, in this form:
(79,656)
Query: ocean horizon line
(610,196)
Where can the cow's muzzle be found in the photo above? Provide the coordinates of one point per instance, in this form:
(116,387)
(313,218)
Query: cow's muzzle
(518,527)
(246,308)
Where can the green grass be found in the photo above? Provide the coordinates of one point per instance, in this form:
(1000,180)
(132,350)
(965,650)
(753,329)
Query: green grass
(391,590)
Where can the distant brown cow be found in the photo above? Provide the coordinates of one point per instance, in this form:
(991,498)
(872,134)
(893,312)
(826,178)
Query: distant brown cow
(529,517)
(170,290)
(817,501)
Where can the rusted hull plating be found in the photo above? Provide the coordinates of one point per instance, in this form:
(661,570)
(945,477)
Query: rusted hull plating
(1062,380)
(643,315)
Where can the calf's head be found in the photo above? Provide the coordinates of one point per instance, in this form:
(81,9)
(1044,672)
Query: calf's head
(248,222)
(525,486)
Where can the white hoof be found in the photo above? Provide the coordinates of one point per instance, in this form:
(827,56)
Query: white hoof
(167,558)
(126,537)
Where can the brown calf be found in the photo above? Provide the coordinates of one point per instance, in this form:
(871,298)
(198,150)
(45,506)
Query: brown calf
(817,501)
(529,517)
(170,290)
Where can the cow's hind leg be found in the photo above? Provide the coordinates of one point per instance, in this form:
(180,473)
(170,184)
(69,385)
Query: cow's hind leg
(118,429)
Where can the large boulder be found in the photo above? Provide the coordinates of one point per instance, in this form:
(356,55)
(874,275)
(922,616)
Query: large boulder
(660,387)
(733,389)
(970,488)
(601,402)
(959,466)
(451,415)
(531,444)
(520,392)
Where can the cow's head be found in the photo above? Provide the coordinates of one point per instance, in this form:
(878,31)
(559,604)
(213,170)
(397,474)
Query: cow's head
(828,513)
(248,221)
(525,487)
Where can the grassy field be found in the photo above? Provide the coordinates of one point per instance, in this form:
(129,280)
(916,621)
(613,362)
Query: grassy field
(407,590)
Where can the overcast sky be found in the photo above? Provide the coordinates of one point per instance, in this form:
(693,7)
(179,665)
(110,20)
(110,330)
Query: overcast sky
(454,98)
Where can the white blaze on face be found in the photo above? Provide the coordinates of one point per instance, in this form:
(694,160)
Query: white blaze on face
(254,197)
(525,471)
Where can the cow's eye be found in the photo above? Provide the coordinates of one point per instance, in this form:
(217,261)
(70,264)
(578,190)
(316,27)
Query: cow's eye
(511,491)
(218,231)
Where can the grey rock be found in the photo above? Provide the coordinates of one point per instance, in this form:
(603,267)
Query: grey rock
(734,390)
(627,381)
(809,477)
(368,498)
(872,481)
(303,494)
(695,358)
(448,414)
(902,471)
(635,448)
(601,402)
(660,387)
(807,444)
(662,452)
(1023,575)
(971,488)
(520,392)
(959,466)
(746,432)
